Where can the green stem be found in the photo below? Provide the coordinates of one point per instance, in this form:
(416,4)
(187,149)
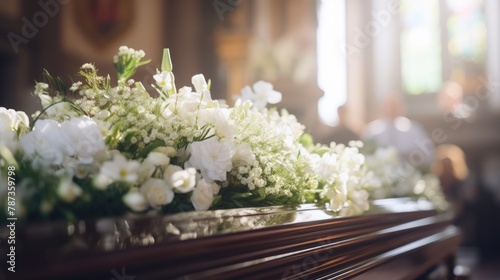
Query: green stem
(53,104)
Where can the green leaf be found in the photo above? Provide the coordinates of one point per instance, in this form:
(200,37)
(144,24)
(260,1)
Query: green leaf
(143,62)
(216,200)
(150,147)
(56,84)
(140,86)
(241,195)
(7,155)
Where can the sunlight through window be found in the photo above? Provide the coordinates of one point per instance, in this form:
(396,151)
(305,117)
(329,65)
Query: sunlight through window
(332,72)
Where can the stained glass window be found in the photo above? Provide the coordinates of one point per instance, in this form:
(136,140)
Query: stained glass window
(425,51)
(466,42)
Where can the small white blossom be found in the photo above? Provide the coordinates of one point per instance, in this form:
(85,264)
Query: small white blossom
(285,134)
(185,91)
(88,66)
(68,190)
(121,169)
(10,122)
(327,166)
(337,199)
(11,119)
(75,86)
(262,94)
(41,88)
(103,114)
(164,80)
(219,118)
(183,181)
(201,86)
(157,192)
(158,159)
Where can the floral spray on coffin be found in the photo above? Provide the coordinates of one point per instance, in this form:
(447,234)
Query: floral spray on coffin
(102,149)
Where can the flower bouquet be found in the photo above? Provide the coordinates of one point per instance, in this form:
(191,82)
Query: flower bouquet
(103,148)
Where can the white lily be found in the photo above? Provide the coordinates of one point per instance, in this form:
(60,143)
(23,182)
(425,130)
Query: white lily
(164,80)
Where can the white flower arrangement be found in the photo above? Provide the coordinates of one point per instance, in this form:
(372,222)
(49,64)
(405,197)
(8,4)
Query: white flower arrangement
(97,150)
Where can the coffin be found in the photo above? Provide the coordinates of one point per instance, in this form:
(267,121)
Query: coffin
(397,239)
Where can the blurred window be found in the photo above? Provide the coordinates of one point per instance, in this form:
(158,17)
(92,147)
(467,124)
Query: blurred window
(429,57)
(420,46)
(332,61)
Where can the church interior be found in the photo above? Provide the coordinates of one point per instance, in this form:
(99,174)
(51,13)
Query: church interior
(341,66)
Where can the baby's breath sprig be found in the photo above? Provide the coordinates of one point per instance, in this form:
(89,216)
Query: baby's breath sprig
(126,63)
(53,92)
(94,81)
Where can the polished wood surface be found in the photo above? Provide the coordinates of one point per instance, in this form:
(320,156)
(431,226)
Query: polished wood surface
(397,239)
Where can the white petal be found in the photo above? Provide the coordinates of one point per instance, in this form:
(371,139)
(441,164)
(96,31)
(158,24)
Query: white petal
(274,97)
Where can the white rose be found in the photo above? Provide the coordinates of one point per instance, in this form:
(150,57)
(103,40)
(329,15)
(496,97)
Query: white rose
(158,159)
(203,195)
(157,192)
(135,201)
(10,122)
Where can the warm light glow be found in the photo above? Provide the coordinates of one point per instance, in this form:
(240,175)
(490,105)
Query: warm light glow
(332,72)
(402,124)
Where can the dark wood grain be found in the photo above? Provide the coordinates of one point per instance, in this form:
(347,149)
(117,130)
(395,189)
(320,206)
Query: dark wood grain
(398,239)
